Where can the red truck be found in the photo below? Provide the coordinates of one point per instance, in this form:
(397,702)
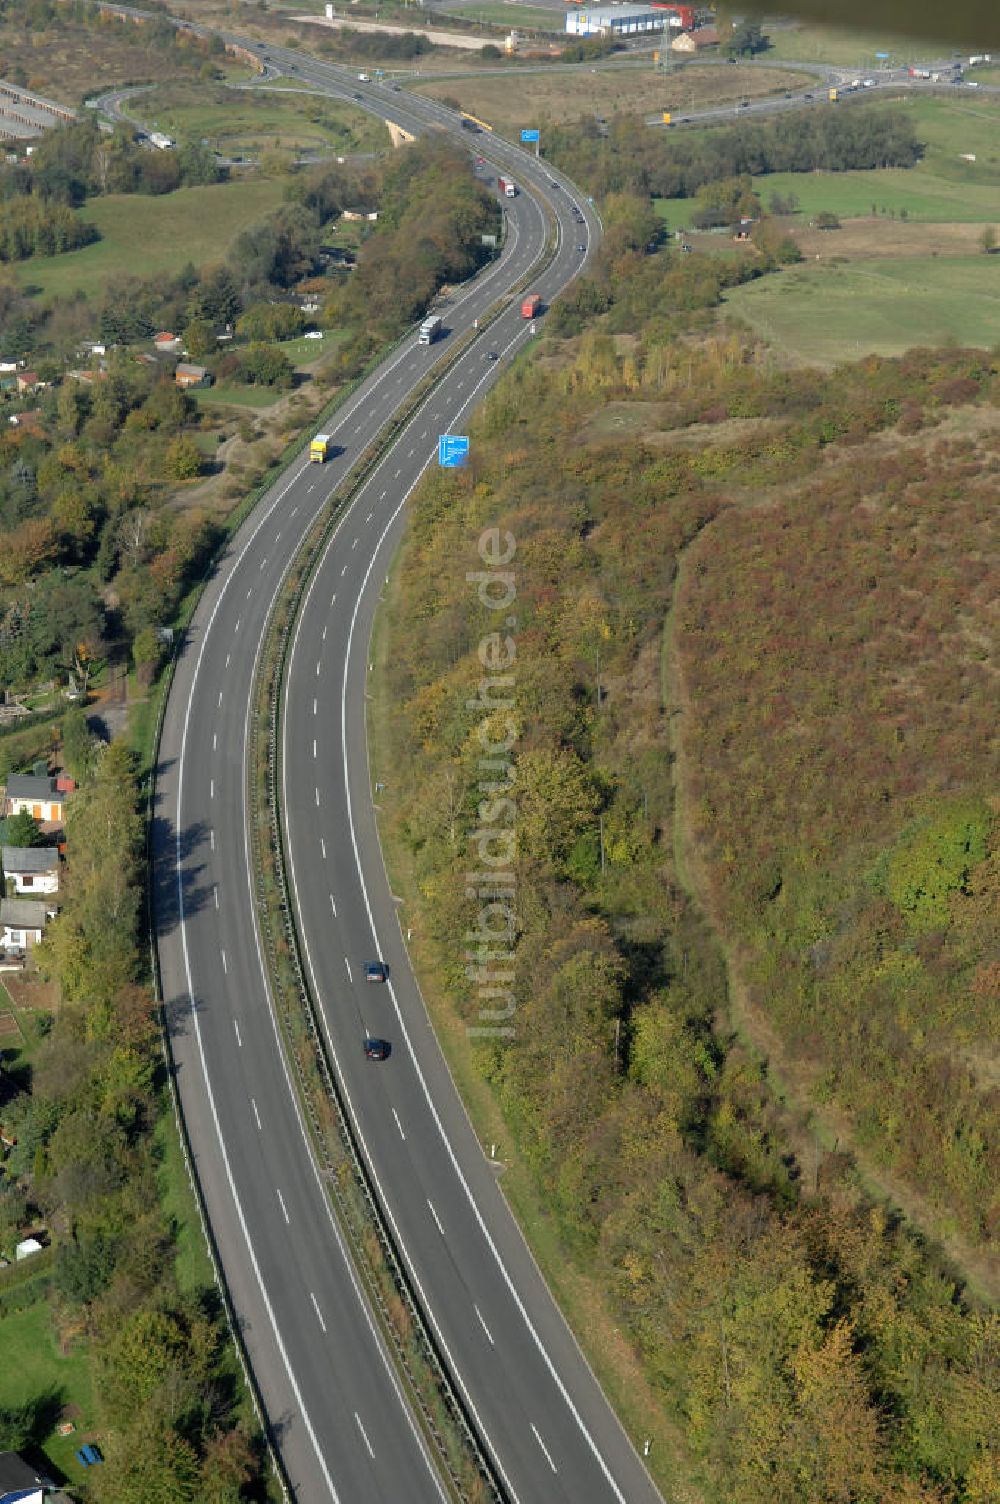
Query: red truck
(532,306)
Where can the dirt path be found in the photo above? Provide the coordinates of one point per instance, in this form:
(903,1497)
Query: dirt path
(809,1131)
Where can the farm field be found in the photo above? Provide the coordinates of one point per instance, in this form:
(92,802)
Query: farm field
(235,122)
(821,314)
(147,235)
(564,95)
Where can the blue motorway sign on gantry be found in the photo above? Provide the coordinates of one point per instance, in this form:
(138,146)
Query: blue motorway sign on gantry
(531,135)
(453,450)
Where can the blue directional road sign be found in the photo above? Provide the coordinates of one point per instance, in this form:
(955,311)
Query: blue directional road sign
(531,135)
(453,450)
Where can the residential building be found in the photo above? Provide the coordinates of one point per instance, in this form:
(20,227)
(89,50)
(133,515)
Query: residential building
(43,797)
(189,375)
(20,1483)
(34,869)
(695,41)
(22,924)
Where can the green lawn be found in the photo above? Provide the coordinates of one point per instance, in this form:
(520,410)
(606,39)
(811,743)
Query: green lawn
(826,313)
(143,235)
(20,1049)
(231,394)
(303,352)
(237,122)
(33,1367)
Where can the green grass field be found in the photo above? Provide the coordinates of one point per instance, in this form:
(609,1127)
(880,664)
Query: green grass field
(33,1366)
(825,313)
(234,394)
(922,193)
(239,122)
(942,186)
(142,235)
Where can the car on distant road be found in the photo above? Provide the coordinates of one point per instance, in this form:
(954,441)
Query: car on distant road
(377,1049)
(582,249)
(376,971)
(492,355)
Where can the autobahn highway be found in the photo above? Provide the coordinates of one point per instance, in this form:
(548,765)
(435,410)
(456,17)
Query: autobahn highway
(328,1386)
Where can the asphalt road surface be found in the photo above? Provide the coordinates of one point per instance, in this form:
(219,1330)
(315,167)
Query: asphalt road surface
(328,1388)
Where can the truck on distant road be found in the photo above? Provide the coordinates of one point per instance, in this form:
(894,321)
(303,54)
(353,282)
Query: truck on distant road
(531,306)
(507,187)
(430,330)
(319,448)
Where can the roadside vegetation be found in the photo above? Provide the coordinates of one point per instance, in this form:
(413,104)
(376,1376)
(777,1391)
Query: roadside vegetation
(70,51)
(119,1347)
(106,535)
(753,820)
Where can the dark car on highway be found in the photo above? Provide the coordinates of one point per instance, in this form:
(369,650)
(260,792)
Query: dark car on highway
(376,971)
(377,1049)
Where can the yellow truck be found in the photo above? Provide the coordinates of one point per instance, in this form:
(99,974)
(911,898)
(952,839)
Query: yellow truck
(833,96)
(319,448)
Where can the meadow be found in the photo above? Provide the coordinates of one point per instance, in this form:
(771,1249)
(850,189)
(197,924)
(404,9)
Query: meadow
(146,235)
(943,186)
(823,313)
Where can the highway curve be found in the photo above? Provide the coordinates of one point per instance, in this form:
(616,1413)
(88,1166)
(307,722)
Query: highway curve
(328,1387)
